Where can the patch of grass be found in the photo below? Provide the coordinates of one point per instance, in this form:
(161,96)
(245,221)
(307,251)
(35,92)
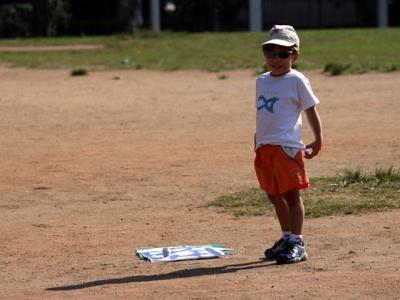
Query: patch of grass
(250,203)
(214,52)
(222,76)
(352,176)
(390,68)
(79,72)
(390,175)
(349,193)
(336,69)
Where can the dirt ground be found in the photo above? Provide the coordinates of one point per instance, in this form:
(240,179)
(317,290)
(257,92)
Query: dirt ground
(93,167)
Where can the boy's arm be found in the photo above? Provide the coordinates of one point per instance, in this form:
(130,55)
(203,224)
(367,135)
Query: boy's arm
(315,124)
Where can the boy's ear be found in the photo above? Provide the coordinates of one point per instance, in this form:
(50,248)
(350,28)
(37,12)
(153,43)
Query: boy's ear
(295,56)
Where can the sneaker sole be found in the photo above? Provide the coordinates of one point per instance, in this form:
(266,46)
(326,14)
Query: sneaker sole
(292,261)
(271,256)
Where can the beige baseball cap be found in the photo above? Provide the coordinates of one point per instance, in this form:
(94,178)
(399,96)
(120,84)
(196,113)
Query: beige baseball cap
(283,35)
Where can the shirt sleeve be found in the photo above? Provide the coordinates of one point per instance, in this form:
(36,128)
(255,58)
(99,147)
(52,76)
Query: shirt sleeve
(257,91)
(307,97)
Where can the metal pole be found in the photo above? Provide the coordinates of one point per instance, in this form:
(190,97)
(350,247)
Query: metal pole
(255,15)
(155,15)
(382,13)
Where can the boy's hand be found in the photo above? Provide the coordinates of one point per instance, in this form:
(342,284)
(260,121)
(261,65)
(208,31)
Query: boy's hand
(312,149)
(315,124)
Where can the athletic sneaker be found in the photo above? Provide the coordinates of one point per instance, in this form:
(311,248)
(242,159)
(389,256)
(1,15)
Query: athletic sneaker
(276,249)
(294,252)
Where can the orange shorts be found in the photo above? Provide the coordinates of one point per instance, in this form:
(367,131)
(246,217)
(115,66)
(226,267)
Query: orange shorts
(278,172)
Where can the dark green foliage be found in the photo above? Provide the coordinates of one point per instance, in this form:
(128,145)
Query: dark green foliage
(59,17)
(16,20)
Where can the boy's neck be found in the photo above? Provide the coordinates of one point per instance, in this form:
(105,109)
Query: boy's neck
(281,74)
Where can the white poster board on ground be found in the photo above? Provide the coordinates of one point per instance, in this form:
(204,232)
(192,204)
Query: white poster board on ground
(178,253)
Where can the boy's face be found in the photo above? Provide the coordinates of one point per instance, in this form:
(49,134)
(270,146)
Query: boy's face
(279,59)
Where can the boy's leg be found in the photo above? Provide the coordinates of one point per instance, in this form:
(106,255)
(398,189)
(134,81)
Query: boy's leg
(295,211)
(294,251)
(282,212)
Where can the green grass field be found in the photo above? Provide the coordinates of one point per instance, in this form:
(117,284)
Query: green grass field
(344,50)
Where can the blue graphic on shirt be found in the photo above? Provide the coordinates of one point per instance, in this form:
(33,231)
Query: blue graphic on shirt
(267,104)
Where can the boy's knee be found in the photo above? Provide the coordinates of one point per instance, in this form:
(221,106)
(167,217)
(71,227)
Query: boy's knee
(293,197)
(274,198)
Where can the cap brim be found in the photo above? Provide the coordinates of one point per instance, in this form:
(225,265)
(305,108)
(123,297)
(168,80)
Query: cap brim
(278,42)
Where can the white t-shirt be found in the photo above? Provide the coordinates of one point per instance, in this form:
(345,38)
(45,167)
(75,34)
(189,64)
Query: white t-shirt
(279,103)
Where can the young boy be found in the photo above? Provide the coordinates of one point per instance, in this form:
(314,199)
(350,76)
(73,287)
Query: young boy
(281,95)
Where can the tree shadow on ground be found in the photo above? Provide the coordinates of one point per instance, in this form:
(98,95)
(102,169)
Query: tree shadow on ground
(186,273)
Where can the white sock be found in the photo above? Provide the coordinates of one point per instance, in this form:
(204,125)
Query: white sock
(286,235)
(295,237)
